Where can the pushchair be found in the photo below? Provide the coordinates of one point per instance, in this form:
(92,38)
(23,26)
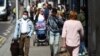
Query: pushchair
(40,35)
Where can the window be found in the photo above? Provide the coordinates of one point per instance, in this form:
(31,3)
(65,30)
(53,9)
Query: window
(2,2)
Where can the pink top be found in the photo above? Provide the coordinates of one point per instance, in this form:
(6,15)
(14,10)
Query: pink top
(72,31)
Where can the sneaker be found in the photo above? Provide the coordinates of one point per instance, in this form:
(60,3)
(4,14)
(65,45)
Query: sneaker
(83,53)
(80,54)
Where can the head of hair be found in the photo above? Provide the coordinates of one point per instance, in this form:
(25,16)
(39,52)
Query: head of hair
(54,11)
(25,12)
(21,4)
(49,6)
(73,15)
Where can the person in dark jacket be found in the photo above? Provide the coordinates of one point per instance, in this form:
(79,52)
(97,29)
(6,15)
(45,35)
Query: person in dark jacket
(54,23)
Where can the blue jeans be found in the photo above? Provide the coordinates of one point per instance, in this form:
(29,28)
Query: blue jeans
(54,41)
(82,48)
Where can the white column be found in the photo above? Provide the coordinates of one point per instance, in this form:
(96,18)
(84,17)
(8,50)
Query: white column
(16,10)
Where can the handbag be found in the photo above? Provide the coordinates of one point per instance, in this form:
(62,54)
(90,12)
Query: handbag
(63,51)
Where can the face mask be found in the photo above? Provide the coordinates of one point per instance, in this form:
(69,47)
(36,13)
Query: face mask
(24,17)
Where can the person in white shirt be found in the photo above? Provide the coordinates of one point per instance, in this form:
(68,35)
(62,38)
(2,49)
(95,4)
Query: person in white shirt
(23,32)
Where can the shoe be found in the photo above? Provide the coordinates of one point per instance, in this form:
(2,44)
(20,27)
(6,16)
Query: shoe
(83,53)
(80,54)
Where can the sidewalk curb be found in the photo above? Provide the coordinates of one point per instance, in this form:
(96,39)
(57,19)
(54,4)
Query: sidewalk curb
(2,40)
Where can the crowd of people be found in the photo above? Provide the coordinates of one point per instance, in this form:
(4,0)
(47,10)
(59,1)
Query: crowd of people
(55,23)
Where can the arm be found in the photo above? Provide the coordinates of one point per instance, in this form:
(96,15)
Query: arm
(64,32)
(48,23)
(31,29)
(16,30)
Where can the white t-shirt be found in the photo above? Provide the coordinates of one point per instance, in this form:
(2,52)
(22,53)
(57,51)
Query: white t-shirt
(23,26)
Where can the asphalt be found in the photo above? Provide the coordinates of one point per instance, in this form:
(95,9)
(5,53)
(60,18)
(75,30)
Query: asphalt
(6,28)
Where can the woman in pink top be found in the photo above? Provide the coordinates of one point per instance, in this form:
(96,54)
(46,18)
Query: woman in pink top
(72,33)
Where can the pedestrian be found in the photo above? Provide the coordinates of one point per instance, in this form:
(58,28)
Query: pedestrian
(81,17)
(21,9)
(46,10)
(39,15)
(23,32)
(72,34)
(40,26)
(13,15)
(54,23)
(30,9)
(61,18)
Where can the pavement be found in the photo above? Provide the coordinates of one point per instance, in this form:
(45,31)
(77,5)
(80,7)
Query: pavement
(34,50)
(6,35)
(5,41)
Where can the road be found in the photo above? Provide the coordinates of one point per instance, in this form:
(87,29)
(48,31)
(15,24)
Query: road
(5,28)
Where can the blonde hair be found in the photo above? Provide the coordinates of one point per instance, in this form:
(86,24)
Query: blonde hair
(73,15)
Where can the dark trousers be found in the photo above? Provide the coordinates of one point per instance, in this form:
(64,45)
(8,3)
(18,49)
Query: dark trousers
(24,41)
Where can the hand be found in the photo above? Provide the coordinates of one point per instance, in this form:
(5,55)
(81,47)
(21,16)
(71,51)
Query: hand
(14,40)
(63,42)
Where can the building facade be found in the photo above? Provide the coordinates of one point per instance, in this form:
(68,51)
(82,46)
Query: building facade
(94,27)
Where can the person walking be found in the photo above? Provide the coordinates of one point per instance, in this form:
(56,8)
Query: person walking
(72,34)
(23,32)
(30,9)
(53,24)
(81,17)
(46,10)
(21,9)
